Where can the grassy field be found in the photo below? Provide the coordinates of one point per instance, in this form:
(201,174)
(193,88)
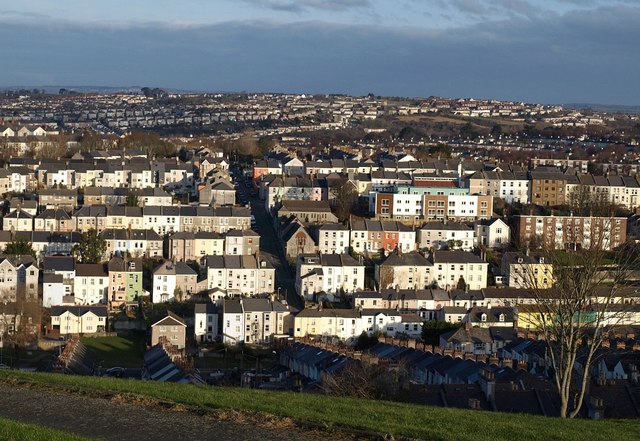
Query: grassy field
(398,419)
(15,431)
(116,351)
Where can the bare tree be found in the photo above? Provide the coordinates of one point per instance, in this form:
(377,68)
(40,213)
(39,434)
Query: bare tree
(585,201)
(344,195)
(363,379)
(576,315)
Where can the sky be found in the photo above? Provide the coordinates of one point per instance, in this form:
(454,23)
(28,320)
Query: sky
(543,51)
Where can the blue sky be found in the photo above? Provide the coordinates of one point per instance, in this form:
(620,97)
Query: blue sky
(550,51)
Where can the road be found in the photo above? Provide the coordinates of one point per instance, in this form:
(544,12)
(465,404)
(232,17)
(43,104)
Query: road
(271,249)
(111,419)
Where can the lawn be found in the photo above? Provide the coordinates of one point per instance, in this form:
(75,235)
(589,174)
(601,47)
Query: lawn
(397,419)
(15,431)
(116,351)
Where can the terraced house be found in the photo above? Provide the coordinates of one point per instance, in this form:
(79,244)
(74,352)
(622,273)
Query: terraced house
(125,281)
(247,274)
(18,278)
(91,284)
(328,274)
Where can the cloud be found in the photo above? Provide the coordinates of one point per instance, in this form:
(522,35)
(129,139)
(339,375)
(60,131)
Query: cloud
(303,5)
(22,15)
(584,56)
(469,6)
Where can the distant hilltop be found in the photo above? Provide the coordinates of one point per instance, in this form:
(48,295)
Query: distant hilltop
(609,108)
(92,89)
(55,89)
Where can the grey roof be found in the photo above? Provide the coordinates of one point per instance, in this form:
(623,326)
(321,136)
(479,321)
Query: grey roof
(333,227)
(471,335)
(237,262)
(73,192)
(406,259)
(459,294)
(493,314)
(232,306)
(306,206)
(372,225)
(450,226)
(51,213)
(19,259)
(18,214)
(77,310)
(242,233)
(52,278)
(338,260)
(59,263)
(177,268)
(119,264)
(91,270)
(91,211)
(161,210)
(205,308)
(340,313)
(256,305)
(514,256)
(171,319)
(456,256)
(129,234)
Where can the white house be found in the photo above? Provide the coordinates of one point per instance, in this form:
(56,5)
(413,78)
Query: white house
(90,284)
(492,233)
(53,290)
(333,239)
(292,166)
(329,274)
(247,273)
(344,324)
(391,322)
(386,236)
(79,319)
(205,322)
(405,271)
(253,320)
(446,236)
(172,278)
(451,266)
(18,274)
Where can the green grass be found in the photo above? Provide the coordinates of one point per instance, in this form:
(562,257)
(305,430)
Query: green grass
(15,431)
(399,419)
(115,351)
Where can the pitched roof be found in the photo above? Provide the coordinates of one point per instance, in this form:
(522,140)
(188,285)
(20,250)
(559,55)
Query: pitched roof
(456,256)
(171,319)
(406,259)
(91,270)
(80,310)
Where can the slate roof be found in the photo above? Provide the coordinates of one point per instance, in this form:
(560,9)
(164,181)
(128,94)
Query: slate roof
(80,310)
(171,319)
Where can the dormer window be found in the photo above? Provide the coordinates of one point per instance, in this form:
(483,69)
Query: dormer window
(501,318)
(483,317)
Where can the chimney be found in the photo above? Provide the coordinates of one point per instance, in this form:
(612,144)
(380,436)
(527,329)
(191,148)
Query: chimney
(488,385)
(633,373)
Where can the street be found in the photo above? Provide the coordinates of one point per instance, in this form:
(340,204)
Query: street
(271,250)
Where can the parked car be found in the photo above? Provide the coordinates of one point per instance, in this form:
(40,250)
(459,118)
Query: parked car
(117,372)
